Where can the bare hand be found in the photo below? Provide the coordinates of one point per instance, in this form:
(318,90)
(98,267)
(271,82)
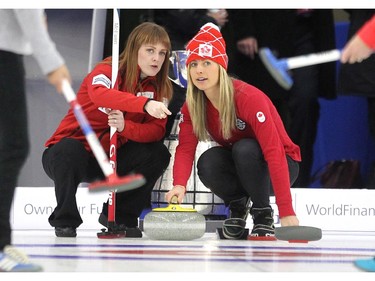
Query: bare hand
(157,109)
(289,221)
(56,77)
(177,190)
(355,51)
(221,16)
(248,46)
(116,120)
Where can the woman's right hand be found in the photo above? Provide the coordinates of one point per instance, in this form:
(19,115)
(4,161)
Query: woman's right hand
(177,190)
(157,109)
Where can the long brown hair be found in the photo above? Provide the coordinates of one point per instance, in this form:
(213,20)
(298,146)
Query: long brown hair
(145,33)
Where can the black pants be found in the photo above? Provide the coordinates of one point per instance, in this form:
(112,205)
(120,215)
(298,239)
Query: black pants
(304,108)
(14,139)
(240,172)
(68,164)
(178,99)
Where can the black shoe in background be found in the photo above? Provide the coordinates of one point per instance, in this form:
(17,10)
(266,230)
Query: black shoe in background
(65,231)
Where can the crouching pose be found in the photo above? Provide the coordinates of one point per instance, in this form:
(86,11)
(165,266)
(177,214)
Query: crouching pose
(254,155)
(137,110)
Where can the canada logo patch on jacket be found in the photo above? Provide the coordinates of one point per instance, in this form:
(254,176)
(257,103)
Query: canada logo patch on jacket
(241,125)
(261,117)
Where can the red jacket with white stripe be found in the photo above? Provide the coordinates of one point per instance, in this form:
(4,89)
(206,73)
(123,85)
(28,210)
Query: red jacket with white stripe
(95,92)
(257,118)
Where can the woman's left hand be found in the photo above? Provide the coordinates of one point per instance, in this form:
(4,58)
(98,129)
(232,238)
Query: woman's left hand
(116,120)
(289,221)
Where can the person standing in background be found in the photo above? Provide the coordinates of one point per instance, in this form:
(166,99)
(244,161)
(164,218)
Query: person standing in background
(22,32)
(288,33)
(359,51)
(357,73)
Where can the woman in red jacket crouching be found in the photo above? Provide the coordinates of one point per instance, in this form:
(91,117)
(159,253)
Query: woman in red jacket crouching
(137,107)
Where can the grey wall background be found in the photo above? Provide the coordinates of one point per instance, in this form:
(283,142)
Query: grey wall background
(71,31)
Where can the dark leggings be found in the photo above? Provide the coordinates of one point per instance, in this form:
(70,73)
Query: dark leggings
(240,172)
(68,164)
(14,138)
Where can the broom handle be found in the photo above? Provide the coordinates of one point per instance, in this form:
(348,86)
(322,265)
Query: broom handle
(115,61)
(113,130)
(91,138)
(312,59)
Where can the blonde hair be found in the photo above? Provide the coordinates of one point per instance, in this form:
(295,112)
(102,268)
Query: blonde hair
(196,102)
(145,33)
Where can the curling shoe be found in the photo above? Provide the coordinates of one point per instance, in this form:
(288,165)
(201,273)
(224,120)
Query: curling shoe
(130,232)
(65,231)
(263,222)
(234,226)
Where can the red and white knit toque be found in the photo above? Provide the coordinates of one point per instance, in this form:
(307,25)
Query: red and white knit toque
(208,43)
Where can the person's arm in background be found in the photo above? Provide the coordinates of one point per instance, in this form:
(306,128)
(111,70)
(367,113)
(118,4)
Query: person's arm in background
(34,28)
(361,45)
(220,16)
(247,43)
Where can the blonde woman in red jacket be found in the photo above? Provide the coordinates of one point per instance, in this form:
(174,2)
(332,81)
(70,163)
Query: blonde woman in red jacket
(254,152)
(138,109)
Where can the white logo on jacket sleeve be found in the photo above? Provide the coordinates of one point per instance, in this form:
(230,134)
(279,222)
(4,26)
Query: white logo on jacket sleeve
(101,79)
(261,117)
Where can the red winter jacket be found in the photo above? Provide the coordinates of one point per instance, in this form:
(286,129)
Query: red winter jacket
(95,92)
(367,33)
(257,118)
